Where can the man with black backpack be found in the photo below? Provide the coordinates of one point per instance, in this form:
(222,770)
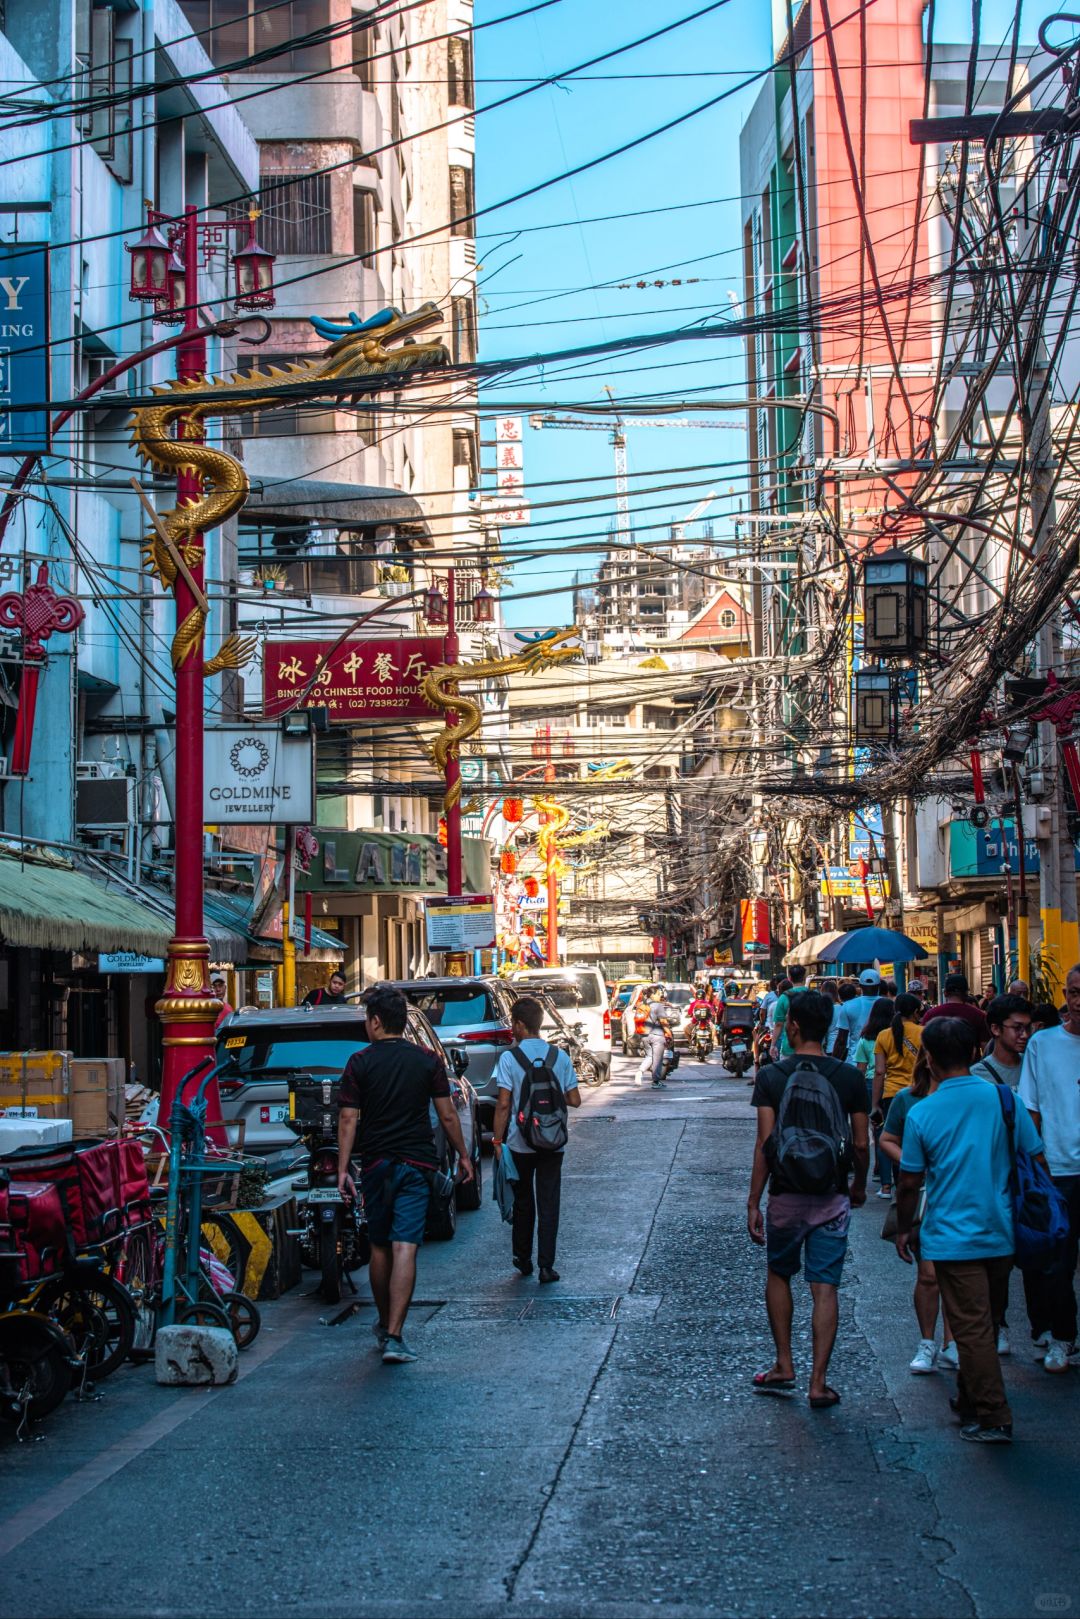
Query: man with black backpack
(812,1132)
(537,1084)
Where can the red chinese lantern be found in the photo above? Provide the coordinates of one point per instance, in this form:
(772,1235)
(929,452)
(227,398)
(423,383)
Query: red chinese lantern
(532,886)
(508,862)
(528,933)
(442,830)
(513,810)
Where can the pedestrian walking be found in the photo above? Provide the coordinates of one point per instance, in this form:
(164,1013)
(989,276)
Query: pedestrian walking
(658,1036)
(1050,1088)
(220,988)
(332,995)
(811,1134)
(895,1052)
(881,1015)
(780,1045)
(928,1357)
(958,1003)
(532,1068)
(384,1099)
(851,1019)
(956,1141)
(1009,1017)
(831,991)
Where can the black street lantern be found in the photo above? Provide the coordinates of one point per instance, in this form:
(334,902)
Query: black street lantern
(253,269)
(435,604)
(150,259)
(894,605)
(484,606)
(874,700)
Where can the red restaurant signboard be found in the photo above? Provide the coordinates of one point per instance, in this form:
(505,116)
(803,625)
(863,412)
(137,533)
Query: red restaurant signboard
(360,680)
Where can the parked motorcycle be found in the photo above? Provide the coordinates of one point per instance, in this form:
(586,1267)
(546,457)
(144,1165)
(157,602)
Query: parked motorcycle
(333,1237)
(38,1360)
(701,1034)
(737,1037)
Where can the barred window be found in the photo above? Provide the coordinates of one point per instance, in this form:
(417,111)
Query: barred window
(296,214)
(459,72)
(461,201)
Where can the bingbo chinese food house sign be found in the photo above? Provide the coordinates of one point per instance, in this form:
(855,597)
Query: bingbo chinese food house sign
(358,680)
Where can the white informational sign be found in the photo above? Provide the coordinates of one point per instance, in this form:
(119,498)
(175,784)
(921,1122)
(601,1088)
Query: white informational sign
(461,922)
(510,456)
(508,429)
(255,775)
(510,514)
(128,961)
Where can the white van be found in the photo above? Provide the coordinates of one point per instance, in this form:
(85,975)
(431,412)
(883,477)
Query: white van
(580,994)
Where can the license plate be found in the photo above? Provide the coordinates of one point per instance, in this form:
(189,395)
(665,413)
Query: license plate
(324,1194)
(738,1047)
(274,1113)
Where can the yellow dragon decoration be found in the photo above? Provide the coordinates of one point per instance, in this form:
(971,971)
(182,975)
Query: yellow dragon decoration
(441,682)
(357,349)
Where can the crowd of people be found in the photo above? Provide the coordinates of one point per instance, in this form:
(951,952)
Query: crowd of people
(943,1098)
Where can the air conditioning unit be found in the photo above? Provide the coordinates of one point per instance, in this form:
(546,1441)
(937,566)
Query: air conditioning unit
(104,801)
(97,770)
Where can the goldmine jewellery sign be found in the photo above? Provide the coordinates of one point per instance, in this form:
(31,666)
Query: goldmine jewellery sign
(255,775)
(358,680)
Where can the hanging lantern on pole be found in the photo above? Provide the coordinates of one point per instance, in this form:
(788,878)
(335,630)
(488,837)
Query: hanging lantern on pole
(895,595)
(508,862)
(150,258)
(442,831)
(513,810)
(873,706)
(253,273)
(172,309)
(531,886)
(435,604)
(484,606)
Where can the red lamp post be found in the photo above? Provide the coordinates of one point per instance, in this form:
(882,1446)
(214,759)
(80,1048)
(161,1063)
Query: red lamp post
(188,1008)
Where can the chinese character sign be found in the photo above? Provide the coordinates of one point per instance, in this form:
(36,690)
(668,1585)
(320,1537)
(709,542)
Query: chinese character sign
(359,680)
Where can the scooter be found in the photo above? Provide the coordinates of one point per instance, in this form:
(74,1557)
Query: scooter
(701,1035)
(737,1038)
(333,1237)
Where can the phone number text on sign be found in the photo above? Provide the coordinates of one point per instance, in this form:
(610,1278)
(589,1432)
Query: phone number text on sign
(356,681)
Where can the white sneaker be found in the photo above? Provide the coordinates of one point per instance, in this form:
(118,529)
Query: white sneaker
(924,1357)
(948,1357)
(884,1192)
(1041,1344)
(1057,1357)
(1003,1342)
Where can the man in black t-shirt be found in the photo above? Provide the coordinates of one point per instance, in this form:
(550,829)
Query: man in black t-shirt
(332,995)
(385,1090)
(799,1221)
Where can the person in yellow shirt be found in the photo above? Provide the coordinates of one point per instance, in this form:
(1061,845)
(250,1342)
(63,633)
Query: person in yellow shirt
(895,1055)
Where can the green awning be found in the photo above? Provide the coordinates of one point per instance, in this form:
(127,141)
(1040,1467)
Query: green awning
(45,904)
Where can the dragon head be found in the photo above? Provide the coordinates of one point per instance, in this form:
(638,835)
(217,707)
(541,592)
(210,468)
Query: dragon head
(544,649)
(356,346)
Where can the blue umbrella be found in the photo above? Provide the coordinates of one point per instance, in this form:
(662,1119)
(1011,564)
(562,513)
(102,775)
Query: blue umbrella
(873,944)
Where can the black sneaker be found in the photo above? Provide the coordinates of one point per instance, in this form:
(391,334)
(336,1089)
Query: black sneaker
(659,1085)
(1000,1435)
(547,1274)
(524,1266)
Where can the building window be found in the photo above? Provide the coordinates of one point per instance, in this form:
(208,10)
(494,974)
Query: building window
(459,72)
(465,453)
(606,719)
(104,63)
(296,216)
(727,619)
(232,30)
(290,419)
(462,206)
(463,329)
(365,223)
(365,45)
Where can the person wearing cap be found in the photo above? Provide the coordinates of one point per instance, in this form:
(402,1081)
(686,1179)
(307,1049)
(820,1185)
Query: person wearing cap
(218,985)
(852,1015)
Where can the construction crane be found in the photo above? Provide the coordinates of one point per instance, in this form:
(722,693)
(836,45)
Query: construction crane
(616,427)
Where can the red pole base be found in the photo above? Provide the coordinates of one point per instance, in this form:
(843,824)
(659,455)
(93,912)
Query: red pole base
(188,1010)
(24,720)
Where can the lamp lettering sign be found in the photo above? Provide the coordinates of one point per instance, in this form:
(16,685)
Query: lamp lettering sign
(358,680)
(24,349)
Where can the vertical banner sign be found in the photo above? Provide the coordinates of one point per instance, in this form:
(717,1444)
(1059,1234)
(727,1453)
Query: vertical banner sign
(510,470)
(754,927)
(24,350)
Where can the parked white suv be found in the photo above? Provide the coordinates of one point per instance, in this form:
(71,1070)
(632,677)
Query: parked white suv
(580,994)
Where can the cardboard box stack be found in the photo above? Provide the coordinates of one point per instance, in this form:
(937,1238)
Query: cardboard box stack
(97,1095)
(35,1084)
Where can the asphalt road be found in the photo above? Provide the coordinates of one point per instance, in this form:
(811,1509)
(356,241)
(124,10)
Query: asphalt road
(591,1448)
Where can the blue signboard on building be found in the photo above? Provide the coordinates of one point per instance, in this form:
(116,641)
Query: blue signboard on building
(24,350)
(986,853)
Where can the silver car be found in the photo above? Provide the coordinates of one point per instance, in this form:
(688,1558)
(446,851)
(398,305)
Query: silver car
(471,1015)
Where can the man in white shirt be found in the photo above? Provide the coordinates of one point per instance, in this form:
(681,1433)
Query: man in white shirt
(852,1015)
(538,1186)
(1050,1086)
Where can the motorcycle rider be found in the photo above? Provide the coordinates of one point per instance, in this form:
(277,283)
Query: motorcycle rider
(704,1001)
(658,1035)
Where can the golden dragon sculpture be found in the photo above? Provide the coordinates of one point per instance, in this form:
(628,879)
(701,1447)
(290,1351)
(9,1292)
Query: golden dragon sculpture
(357,349)
(440,688)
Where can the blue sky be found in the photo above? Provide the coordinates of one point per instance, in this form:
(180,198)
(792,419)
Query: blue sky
(539,289)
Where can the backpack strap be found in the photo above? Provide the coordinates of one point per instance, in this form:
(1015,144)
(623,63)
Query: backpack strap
(1008,1113)
(525,1062)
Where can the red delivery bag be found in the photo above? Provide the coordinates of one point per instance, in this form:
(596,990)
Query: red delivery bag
(38,1228)
(134,1199)
(86,1176)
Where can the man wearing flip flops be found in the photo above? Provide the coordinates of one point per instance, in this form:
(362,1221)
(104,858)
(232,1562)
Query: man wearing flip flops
(807,1146)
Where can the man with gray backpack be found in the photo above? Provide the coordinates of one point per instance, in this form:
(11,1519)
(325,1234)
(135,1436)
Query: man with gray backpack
(812,1137)
(537,1084)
